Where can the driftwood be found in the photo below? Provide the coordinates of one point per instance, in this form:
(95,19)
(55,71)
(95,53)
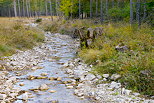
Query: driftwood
(88,36)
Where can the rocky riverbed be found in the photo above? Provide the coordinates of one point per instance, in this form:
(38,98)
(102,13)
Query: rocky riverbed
(103,88)
(49,74)
(35,76)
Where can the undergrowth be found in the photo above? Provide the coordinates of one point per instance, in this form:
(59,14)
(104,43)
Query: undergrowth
(14,35)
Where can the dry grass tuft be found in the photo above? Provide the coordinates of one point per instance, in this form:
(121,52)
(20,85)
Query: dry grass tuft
(14,35)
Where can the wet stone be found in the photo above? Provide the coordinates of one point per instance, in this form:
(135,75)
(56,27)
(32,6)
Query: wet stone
(52,91)
(43,87)
(44,74)
(21,84)
(59,79)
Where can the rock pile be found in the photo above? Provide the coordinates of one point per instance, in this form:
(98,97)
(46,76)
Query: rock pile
(98,87)
(7,91)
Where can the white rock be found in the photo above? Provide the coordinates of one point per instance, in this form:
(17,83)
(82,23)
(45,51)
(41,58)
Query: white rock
(115,85)
(69,71)
(136,94)
(66,64)
(44,74)
(14,63)
(76,91)
(52,91)
(80,85)
(115,76)
(78,73)
(80,94)
(104,79)
(99,77)
(106,75)
(3,96)
(70,87)
(127,92)
(25,96)
(43,87)
(13,95)
(90,77)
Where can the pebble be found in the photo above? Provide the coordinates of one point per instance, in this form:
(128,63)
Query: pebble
(43,87)
(52,91)
(21,84)
(106,75)
(59,78)
(44,74)
(3,96)
(115,76)
(51,78)
(69,87)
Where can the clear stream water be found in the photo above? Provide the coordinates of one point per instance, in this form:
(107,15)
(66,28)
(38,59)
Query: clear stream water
(65,50)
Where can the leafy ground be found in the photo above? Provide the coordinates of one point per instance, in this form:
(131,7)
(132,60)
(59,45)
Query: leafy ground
(136,66)
(15,35)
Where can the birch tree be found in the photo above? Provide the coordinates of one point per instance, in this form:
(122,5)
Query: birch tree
(91,8)
(131,11)
(15,9)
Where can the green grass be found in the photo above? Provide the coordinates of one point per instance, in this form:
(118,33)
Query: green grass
(14,35)
(136,66)
(130,64)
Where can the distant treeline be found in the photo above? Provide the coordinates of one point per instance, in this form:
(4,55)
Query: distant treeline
(133,10)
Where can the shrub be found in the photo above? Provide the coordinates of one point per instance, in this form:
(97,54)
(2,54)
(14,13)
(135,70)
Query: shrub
(38,20)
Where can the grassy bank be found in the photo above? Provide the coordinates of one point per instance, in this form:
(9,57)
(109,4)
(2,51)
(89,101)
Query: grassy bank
(14,35)
(136,65)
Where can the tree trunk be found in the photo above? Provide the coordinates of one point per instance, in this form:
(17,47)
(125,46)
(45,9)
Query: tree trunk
(39,4)
(102,18)
(79,9)
(46,8)
(131,12)
(71,9)
(24,8)
(19,11)
(27,8)
(90,8)
(145,10)
(106,7)
(96,8)
(138,6)
(112,3)
(118,3)
(15,9)
(56,8)
(51,10)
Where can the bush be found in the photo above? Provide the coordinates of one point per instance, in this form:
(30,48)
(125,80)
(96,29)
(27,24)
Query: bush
(38,20)
(120,13)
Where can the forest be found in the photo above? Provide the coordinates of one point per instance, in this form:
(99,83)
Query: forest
(115,10)
(115,41)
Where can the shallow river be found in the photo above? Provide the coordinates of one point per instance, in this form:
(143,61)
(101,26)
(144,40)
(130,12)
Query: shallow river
(64,51)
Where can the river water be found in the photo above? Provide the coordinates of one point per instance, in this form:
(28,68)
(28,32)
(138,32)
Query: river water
(65,50)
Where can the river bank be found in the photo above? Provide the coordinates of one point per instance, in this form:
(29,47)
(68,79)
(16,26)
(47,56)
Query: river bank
(39,75)
(35,75)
